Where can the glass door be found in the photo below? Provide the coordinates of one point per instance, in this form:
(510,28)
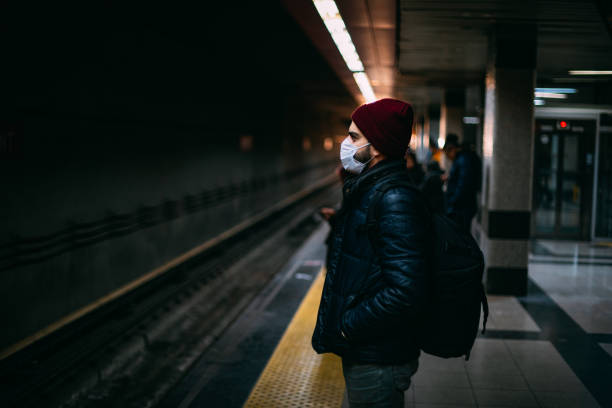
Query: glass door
(563,178)
(603,204)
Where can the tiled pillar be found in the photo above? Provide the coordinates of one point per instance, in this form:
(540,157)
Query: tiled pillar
(472,127)
(451,115)
(507,158)
(433,115)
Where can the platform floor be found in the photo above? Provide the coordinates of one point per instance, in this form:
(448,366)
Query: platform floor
(552,348)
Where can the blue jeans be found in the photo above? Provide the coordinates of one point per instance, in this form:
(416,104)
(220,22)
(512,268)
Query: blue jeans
(377,386)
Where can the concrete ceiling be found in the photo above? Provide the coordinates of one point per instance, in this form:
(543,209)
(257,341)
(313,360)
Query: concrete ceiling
(372,26)
(444,43)
(451,36)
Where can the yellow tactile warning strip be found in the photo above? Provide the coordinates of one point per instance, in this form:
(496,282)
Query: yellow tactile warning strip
(296,376)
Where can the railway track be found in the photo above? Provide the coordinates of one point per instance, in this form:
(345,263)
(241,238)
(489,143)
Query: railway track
(130,352)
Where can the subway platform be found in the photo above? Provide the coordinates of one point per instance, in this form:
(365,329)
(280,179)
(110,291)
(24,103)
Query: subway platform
(551,348)
(162,168)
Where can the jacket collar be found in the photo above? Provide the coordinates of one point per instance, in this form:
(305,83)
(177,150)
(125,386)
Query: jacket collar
(386,168)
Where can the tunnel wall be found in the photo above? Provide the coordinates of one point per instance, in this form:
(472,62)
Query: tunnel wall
(139,134)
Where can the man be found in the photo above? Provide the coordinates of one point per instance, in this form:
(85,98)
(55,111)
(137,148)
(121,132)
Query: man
(413,168)
(432,188)
(463,182)
(375,284)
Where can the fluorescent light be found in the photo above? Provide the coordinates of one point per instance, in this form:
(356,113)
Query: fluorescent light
(581,79)
(557,90)
(539,102)
(328,11)
(471,120)
(364,86)
(590,72)
(335,25)
(550,95)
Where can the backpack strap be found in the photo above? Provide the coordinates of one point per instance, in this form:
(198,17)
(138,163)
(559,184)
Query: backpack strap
(485,307)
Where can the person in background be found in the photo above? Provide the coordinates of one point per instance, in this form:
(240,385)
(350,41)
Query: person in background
(463,182)
(414,169)
(433,153)
(432,187)
(328,212)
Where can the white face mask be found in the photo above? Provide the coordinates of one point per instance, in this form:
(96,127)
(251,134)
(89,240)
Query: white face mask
(347,156)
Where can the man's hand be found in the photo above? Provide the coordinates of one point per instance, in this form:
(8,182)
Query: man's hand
(327,212)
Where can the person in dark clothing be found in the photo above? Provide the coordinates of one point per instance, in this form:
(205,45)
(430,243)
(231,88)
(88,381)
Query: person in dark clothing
(463,182)
(328,213)
(414,169)
(432,187)
(375,286)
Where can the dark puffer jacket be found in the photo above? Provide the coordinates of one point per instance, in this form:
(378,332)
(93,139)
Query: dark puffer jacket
(375,295)
(463,184)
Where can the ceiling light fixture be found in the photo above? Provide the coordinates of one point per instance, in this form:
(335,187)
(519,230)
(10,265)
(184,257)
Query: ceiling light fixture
(589,72)
(557,90)
(550,95)
(581,79)
(471,120)
(364,86)
(328,11)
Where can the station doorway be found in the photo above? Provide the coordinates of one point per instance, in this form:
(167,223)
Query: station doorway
(564,162)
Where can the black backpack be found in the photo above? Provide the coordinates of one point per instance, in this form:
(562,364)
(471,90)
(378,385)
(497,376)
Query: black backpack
(456,293)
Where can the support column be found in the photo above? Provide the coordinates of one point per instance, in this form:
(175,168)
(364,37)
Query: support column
(451,116)
(508,158)
(472,128)
(433,114)
(451,119)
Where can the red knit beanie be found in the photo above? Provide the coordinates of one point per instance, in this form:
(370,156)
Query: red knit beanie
(387,124)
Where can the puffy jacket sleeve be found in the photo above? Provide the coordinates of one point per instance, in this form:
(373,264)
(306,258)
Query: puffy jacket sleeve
(401,246)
